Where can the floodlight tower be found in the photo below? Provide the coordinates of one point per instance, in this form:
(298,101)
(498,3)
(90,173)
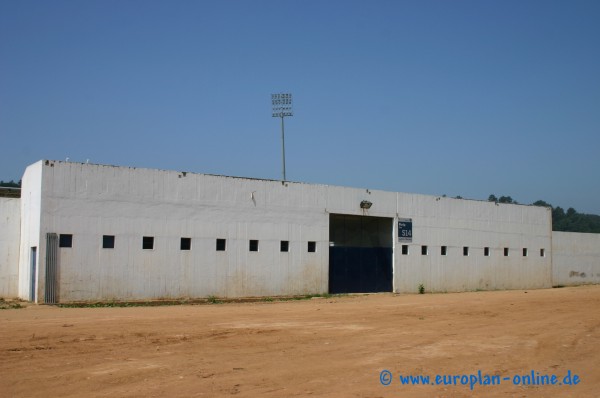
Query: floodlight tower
(282,107)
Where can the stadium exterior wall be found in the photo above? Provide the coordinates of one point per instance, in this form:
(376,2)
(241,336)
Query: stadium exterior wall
(576,258)
(10,224)
(30,244)
(89,201)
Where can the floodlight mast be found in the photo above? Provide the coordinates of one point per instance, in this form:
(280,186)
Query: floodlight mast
(282,107)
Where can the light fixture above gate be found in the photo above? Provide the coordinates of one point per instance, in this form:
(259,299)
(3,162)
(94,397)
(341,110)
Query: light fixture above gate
(365,204)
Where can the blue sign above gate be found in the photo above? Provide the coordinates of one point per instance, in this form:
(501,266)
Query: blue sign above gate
(405,230)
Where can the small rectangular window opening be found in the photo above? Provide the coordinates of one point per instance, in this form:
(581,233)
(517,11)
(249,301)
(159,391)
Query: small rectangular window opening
(444,250)
(405,250)
(424,250)
(542,253)
(221,244)
(506,252)
(186,244)
(108,241)
(312,247)
(284,246)
(524,252)
(148,242)
(65,240)
(253,245)
(465,250)
(486,251)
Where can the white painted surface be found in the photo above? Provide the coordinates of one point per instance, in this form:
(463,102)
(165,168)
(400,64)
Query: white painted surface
(10,225)
(89,201)
(31,208)
(439,221)
(576,258)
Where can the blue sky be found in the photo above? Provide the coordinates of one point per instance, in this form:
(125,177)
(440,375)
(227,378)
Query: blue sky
(437,97)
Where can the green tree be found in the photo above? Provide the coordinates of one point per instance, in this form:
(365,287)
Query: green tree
(507,199)
(571,220)
(10,184)
(541,203)
(558,214)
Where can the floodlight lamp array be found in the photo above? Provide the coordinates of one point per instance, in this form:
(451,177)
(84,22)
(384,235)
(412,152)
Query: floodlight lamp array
(282,105)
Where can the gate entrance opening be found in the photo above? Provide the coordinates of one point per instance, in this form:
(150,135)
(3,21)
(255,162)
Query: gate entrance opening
(360,254)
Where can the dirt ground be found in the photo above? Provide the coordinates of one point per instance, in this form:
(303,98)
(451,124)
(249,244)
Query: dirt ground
(334,347)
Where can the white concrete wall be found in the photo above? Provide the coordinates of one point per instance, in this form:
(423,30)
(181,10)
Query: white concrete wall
(89,201)
(575,259)
(439,221)
(31,208)
(10,225)
(455,223)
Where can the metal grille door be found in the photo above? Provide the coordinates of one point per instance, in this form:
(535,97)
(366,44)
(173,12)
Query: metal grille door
(360,254)
(51,268)
(33,276)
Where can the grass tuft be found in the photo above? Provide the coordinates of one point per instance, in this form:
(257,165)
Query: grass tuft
(10,305)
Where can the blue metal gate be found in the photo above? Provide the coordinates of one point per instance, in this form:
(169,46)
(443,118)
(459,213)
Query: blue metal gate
(360,254)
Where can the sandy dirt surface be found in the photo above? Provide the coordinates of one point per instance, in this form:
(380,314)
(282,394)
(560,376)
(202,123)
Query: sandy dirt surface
(334,347)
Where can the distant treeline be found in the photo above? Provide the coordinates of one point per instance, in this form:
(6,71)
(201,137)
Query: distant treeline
(10,184)
(568,221)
